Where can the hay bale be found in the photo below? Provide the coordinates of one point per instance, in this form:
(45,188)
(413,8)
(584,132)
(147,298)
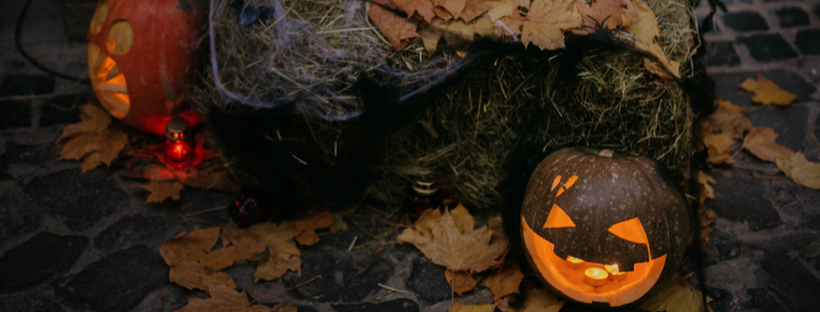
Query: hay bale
(493,121)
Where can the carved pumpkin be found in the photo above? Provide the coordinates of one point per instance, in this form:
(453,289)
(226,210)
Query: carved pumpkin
(140,58)
(603,228)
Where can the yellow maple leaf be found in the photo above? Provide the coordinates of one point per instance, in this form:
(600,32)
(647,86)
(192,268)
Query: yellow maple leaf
(761,143)
(396,29)
(93,139)
(161,190)
(505,281)
(439,239)
(676,296)
(801,170)
(223,298)
(767,92)
(93,119)
(547,21)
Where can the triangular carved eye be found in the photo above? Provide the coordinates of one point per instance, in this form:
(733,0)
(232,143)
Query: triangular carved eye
(631,230)
(558,219)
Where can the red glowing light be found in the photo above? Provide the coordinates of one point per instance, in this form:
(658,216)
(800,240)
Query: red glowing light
(177,149)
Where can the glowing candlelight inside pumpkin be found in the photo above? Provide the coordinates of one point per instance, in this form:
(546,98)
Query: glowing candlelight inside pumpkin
(178,141)
(573,262)
(595,277)
(614,272)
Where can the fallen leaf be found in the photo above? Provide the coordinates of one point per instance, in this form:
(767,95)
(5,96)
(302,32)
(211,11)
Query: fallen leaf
(161,190)
(223,299)
(90,162)
(445,245)
(276,266)
(459,281)
(279,238)
(396,29)
(706,218)
(767,92)
(314,221)
(423,7)
(473,9)
(249,246)
(96,147)
(547,21)
(481,307)
(284,307)
(502,8)
(537,300)
(655,66)
(460,35)
(338,223)
(646,27)
(431,35)
(761,143)
(506,281)
(496,225)
(449,7)
(464,221)
(609,13)
(92,119)
(192,263)
(727,118)
(705,182)
(720,148)
(307,238)
(676,296)
(801,170)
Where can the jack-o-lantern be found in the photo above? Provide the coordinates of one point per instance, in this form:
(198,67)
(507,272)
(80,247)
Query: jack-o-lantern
(604,228)
(140,58)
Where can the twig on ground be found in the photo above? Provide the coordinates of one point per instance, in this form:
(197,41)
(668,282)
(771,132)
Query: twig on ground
(285,290)
(204,211)
(379,254)
(199,221)
(353,243)
(392,289)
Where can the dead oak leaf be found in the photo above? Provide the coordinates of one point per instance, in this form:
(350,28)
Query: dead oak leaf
(761,143)
(676,296)
(767,92)
(481,307)
(223,298)
(609,13)
(547,21)
(727,118)
(705,183)
(506,281)
(801,170)
(423,7)
(459,281)
(646,28)
(396,29)
(276,266)
(161,190)
(445,245)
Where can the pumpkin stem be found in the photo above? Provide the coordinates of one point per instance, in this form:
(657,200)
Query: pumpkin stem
(606,153)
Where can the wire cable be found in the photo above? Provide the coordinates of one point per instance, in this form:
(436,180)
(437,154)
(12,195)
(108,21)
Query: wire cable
(30,59)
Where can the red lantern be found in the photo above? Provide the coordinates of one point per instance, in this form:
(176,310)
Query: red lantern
(179,143)
(140,57)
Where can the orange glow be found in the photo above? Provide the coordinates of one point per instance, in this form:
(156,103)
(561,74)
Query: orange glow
(571,181)
(631,230)
(595,277)
(108,82)
(571,282)
(555,182)
(558,219)
(177,151)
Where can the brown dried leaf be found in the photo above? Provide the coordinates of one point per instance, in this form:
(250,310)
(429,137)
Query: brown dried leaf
(646,27)
(460,35)
(338,223)
(284,307)
(192,277)
(761,143)
(538,300)
(615,12)
(423,7)
(314,221)
(464,221)
(307,238)
(248,246)
(445,245)
(396,29)
(705,182)
(189,247)
(279,238)
(447,9)
(547,21)
(801,170)
(93,119)
(509,8)
(706,218)
(482,307)
(431,35)
(276,266)
(223,299)
(767,92)
(473,9)
(161,190)
(506,281)
(96,147)
(678,295)
(193,265)
(459,281)
(728,119)
(655,67)
(720,148)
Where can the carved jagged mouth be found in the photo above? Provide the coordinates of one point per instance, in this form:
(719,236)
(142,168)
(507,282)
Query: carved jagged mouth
(569,276)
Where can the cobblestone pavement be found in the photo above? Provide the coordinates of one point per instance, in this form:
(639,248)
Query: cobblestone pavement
(71,242)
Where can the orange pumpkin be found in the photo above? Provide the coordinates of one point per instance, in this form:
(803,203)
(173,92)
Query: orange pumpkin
(604,228)
(140,59)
